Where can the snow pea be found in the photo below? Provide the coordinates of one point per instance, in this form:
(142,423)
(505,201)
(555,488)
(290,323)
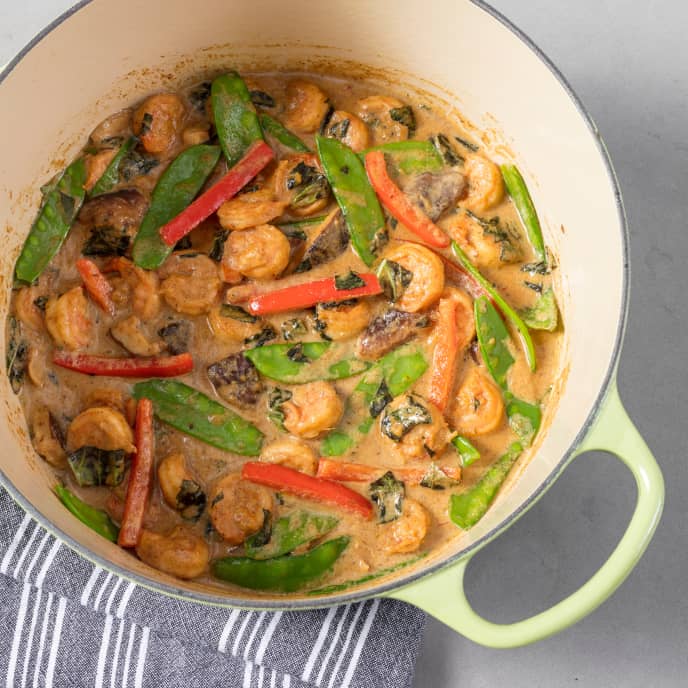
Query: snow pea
(94,518)
(195,414)
(391,376)
(110,178)
(355,196)
(235,116)
(278,131)
(518,190)
(410,156)
(289,532)
(544,314)
(175,189)
(465,449)
(504,307)
(61,204)
(283,574)
(524,418)
(294,362)
(467,508)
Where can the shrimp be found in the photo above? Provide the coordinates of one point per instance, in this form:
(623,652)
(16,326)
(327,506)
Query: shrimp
(349,129)
(307,106)
(96,164)
(179,488)
(480,247)
(414,427)
(479,406)
(26,310)
(406,533)
(378,112)
(179,553)
(291,453)
(258,253)
(427,282)
(342,320)
(193,285)
(47,438)
(145,301)
(299,181)
(129,333)
(102,427)
(157,121)
(313,409)
(250,209)
(66,318)
(229,329)
(195,134)
(238,508)
(485,184)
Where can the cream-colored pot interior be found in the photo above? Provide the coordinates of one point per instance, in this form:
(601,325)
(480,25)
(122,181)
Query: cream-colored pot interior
(110,53)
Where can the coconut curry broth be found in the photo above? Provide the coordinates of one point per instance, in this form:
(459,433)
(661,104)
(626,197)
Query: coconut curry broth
(199,508)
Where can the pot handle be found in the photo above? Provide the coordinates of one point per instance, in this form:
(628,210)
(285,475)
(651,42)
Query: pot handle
(443,596)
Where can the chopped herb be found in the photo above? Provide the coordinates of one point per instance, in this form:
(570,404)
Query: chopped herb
(404,115)
(176,335)
(267,334)
(446,150)
(199,96)
(190,500)
(137,164)
(540,268)
(106,241)
(380,400)
(218,498)
(467,144)
(394,278)
(93,467)
(308,183)
(276,398)
(326,120)
(505,236)
(348,281)
(262,99)
(146,124)
(218,248)
(338,130)
(294,328)
(380,239)
(294,233)
(228,310)
(387,493)
(436,479)
(184,244)
(40,302)
(17,355)
(399,422)
(535,286)
(344,169)
(262,537)
(297,355)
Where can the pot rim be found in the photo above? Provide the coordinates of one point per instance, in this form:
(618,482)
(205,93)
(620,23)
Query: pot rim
(287,604)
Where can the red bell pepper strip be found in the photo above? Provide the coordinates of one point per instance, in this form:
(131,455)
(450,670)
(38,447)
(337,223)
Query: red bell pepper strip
(140,477)
(96,284)
(255,159)
(360,473)
(444,354)
(162,366)
(310,294)
(302,485)
(399,206)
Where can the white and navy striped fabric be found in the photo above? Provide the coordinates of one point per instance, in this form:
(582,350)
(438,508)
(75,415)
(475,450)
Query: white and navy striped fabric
(65,623)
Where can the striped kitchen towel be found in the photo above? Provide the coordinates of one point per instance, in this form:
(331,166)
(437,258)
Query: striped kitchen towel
(67,623)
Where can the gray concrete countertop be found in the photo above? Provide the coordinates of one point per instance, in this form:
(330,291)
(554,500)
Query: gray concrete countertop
(623,59)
